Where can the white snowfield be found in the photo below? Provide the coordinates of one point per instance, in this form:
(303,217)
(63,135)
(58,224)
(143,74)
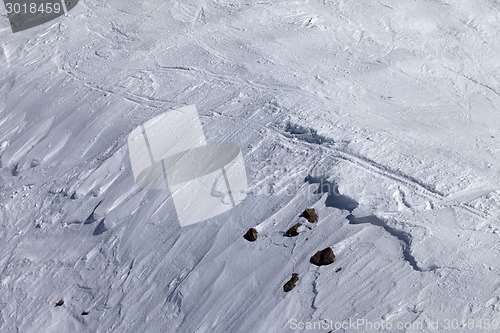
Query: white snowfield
(396,102)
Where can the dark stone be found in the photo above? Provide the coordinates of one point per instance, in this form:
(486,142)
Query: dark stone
(84,313)
(293,231)
(338,269)
(60,303)
(251,235)
(322,258)
(291,283)
(310,215)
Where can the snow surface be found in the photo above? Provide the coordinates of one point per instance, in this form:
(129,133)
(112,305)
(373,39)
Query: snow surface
(394,102)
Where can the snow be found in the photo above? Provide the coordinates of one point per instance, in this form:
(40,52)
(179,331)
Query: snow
(393,102)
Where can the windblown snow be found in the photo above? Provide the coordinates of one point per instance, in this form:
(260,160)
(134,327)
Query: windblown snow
(395,104)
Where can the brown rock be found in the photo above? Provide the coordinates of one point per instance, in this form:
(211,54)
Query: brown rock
(310,215)
(291,283)
(60,303)
(322,258)
(293,231)
(251,235)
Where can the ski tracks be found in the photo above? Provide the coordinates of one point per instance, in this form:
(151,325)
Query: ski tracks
(309,139)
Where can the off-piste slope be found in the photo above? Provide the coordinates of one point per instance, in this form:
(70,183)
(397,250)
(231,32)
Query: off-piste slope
(394,103)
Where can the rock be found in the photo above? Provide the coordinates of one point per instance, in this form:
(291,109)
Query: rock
(84,313)
(251,235)
(338,269)
(60,303)
(322,258)
(291,283)
(310,215)
(293,231)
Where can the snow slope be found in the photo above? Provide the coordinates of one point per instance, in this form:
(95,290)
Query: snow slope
(393,102)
